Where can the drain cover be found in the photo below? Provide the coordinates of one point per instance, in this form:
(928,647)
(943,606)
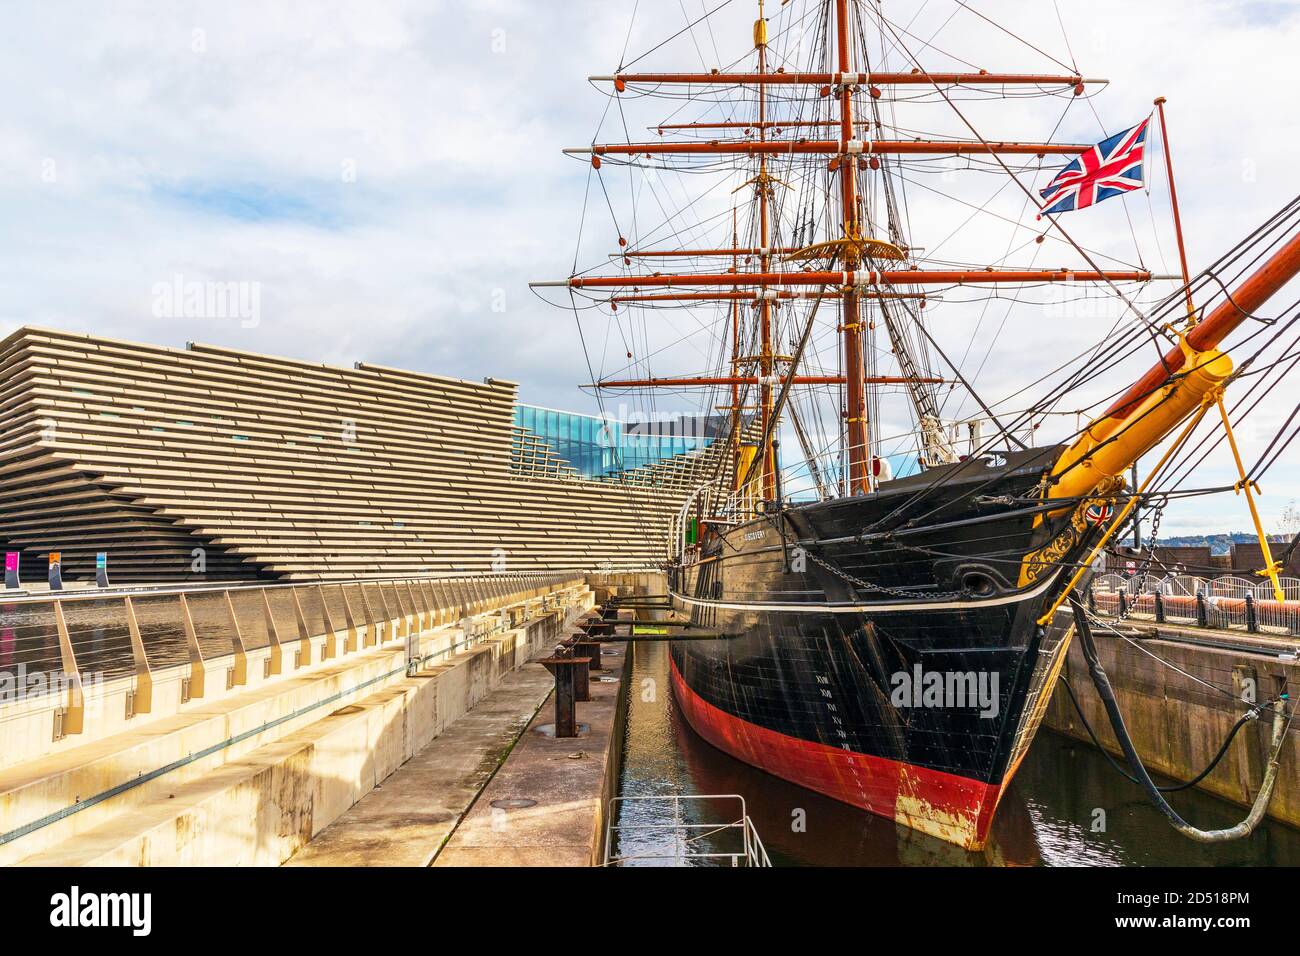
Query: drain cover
(514,803)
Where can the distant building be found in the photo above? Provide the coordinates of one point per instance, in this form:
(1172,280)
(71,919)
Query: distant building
(211,463)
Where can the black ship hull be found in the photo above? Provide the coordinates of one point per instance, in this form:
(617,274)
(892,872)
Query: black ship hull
(905,674)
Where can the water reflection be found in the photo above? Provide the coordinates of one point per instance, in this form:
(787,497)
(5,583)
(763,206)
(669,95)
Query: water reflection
(1046,817)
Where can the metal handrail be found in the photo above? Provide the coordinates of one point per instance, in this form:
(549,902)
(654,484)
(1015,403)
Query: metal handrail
(751,852)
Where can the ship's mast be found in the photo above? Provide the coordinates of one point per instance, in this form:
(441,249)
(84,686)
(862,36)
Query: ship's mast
(855,409)
(735,360)
(850,266)
(763,187)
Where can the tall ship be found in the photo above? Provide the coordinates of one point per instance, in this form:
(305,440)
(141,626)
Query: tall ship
(945,403)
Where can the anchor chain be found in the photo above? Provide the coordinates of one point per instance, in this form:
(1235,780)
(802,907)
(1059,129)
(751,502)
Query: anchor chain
(882,588)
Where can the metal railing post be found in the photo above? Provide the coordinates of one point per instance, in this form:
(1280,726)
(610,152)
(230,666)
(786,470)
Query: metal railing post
(304,634)
(142,702)
(239,676)
(275,654)
(198,669)
(74,713)
(353,642)
(329,649)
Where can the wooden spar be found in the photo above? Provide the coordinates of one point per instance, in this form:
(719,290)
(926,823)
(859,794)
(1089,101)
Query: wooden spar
(781,294)
(737,380)
(1173,200)
(692,253)
(770,124)
(857,440)
(844,77)
(1280,269)
(852,277)
(847,145)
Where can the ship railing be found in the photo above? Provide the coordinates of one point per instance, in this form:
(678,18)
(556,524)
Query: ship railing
(704,500)
(671,833)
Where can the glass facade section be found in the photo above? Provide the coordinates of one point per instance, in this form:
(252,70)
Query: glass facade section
(598,447)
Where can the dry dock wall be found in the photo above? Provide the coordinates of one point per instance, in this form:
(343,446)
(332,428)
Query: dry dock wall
(1178,724)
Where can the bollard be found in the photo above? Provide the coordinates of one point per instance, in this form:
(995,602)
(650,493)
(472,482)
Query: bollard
(1202,615)
(1123,603)
(101,569)
(581,679)
(56,571)
(564,667)
(589,648)
(1160,608)
(11,570)
(1252,615)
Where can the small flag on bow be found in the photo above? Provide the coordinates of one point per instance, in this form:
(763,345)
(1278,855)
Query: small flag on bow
(1112,167)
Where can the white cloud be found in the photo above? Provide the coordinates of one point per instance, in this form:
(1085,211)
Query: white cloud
(219,141)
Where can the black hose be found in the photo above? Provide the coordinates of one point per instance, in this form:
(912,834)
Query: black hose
(1227,742)
(1107,694)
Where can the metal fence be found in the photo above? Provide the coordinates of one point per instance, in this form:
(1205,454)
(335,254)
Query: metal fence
(1231,602)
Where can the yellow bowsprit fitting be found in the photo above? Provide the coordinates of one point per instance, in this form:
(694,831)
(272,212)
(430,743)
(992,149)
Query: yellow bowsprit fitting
(1110,445)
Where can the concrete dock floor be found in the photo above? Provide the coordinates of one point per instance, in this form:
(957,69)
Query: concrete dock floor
(495,789)
(404,821)
(546,805)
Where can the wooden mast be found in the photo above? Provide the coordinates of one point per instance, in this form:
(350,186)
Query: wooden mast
(763,185)
(735,359)
(855,405)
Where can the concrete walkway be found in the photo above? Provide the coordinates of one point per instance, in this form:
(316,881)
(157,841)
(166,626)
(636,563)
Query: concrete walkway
(546,805)
(405,821)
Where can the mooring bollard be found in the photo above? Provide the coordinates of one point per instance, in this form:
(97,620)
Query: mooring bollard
(1202,613)
(1160,608)
(564,667)
(585,647)
(1252,616)
(581,672)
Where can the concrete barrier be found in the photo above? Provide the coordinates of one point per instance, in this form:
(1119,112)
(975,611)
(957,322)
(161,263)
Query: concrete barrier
(323,737)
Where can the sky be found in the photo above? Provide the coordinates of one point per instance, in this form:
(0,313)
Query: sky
(379,181)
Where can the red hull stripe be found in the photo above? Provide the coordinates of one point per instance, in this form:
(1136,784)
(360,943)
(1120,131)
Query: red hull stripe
(953,808)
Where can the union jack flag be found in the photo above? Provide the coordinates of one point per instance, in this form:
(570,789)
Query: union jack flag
(1098,514)
(1112,167)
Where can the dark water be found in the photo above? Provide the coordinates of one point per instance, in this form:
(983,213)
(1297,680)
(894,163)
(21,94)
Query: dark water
(1045,819)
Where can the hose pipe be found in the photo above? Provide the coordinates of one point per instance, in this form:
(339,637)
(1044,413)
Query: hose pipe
(1107,694)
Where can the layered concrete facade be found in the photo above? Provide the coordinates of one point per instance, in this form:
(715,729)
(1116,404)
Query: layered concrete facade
(208,463)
